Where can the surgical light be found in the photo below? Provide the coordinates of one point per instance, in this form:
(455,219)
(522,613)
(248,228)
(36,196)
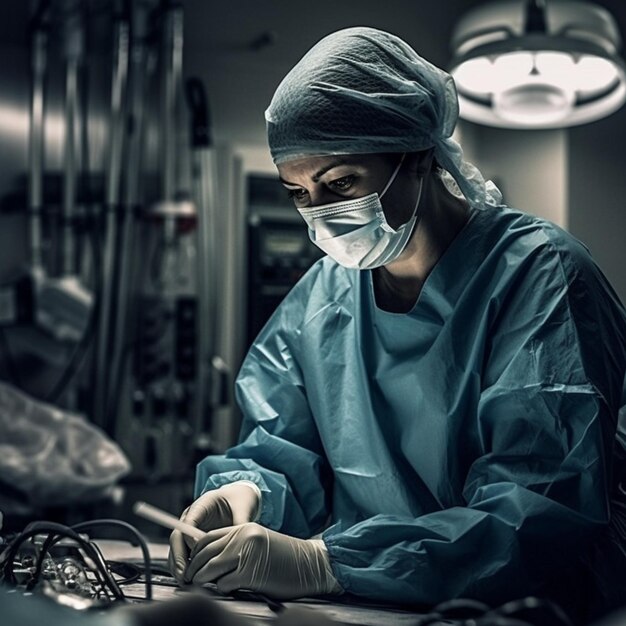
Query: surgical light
(532,64)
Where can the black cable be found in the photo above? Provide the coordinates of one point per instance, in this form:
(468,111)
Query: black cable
(91,550)
(254,596)
(55,532)
(30,531)
(104,570)
(129,573)
(468,612)
(142,544)
(103,566)
(532,603)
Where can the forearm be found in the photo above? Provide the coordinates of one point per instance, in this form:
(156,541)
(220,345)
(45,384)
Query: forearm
(506,545)
(291,481)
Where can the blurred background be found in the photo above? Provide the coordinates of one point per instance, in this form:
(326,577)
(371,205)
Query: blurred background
(144,239)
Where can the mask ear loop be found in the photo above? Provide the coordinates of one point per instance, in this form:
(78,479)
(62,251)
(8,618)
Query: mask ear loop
(419,193)
(419,198)
(393,176)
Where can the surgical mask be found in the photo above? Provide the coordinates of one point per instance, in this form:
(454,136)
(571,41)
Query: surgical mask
(355,232)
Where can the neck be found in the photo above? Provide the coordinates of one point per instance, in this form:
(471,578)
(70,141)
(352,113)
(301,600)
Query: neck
(441,217)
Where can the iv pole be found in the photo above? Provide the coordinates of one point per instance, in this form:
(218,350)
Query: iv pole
(136,96)
(36,138)
(113,184)
(204,177)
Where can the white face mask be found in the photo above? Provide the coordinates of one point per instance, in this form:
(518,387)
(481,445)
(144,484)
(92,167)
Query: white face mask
(355,232)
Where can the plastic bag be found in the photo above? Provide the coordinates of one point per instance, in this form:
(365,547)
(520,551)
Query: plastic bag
(49,456)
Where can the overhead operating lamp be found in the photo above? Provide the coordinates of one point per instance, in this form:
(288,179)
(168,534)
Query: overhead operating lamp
(537,64)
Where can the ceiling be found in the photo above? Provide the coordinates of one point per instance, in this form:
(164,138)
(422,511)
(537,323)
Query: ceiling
(232,27)
(271,35)
(241,49)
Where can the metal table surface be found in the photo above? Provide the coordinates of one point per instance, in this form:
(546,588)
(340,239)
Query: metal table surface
(164,588)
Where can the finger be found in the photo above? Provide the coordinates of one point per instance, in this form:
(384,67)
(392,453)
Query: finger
(253,562)
(184,514)
(190,542)
(197,511)
(214,561)
(210,537)
(209,511)
(247,575)
(232,581)
(178,555)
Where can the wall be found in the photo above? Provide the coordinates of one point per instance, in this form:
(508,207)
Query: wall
(597,190)
(529,167)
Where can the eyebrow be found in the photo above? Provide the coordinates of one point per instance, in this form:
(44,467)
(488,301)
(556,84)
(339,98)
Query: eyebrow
(315,178)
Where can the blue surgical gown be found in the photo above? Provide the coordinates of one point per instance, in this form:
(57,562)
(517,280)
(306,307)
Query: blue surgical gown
(466,448)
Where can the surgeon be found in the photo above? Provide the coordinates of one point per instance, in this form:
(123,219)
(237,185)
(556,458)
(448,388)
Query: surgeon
(432,411)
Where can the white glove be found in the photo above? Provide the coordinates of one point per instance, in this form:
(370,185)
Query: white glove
(232,504)
(252,557)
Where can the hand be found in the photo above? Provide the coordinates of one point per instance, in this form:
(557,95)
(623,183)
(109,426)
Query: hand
(255,558)
(232,504)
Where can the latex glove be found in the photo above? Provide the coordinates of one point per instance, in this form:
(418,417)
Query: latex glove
(232,504)
(255,558)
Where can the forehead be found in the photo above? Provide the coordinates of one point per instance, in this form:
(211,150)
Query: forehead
(315,166)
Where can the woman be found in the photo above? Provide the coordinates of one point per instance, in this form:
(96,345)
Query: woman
(439,395)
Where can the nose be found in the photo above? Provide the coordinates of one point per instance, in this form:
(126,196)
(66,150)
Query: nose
(322,195)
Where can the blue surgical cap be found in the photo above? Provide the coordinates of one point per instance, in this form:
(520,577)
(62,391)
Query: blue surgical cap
(362,90)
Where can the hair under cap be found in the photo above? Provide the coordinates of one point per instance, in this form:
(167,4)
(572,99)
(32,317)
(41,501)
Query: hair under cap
(362,90)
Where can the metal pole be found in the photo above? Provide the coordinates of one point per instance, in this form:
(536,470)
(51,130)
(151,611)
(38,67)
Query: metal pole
(137,92)
(114,171)
(171,86)
(204,176)
(36,139)
(73,53)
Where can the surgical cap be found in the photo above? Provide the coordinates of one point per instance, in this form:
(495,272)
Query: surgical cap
(362,90)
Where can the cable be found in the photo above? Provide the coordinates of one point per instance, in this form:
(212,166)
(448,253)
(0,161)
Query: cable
(532,603)
(93,552)
(129,572)
(55,533)
(273,605)
(142,544)
(468,612)
(103,572)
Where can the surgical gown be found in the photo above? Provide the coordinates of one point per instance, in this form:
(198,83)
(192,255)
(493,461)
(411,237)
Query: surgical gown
(466,448)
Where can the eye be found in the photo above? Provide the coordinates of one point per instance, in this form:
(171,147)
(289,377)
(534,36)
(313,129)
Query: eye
(297,194)
(342,184)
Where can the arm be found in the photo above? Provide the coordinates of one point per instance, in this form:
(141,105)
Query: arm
(536,495)
(279,447)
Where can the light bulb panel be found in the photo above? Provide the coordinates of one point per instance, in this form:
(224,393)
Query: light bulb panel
(508,79)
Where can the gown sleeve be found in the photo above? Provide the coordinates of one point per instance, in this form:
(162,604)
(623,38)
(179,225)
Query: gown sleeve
(536,493)
(279,447)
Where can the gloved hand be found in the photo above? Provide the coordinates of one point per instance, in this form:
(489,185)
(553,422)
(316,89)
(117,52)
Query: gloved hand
(255,558)
(232,504)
